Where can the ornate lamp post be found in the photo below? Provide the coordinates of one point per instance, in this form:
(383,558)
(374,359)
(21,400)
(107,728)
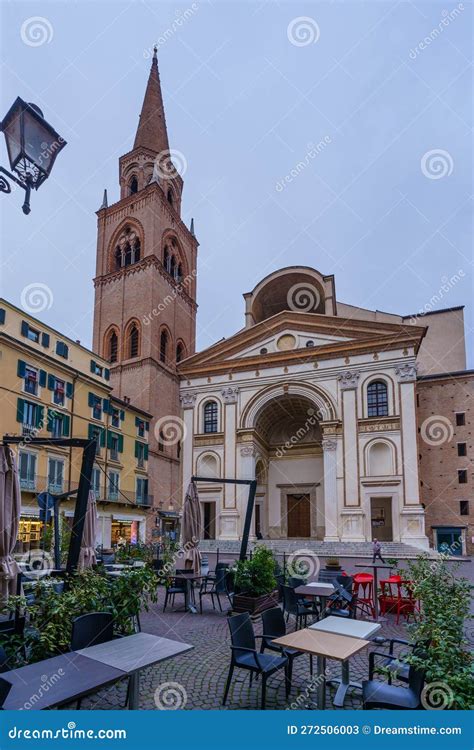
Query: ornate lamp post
(32,146)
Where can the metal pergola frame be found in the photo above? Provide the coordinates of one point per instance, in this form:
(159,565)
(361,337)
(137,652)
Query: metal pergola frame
(250,505)
(89,448)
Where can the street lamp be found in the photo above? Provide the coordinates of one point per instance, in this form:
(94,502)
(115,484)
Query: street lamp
(32,146)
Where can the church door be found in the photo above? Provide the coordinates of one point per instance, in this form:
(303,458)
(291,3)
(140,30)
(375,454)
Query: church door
(299,516)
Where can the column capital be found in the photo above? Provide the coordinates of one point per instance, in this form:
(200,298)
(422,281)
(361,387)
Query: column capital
(230,394)
(328,444)
(349,379)
(248,450)
(187,399)
(406,373)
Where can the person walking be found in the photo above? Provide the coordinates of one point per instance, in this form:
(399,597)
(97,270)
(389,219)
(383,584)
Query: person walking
(377,551)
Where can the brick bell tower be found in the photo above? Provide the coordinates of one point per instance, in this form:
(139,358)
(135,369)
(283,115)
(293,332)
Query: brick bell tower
(145,289)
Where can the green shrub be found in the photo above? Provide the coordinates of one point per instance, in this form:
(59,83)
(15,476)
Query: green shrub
(256,576)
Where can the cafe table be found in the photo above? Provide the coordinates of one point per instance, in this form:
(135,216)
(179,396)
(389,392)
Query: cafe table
(363,629)
(189,578)
(132,654)
(323,646)
(375,567)
(315,590)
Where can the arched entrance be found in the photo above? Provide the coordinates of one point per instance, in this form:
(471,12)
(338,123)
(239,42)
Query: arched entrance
(288,432)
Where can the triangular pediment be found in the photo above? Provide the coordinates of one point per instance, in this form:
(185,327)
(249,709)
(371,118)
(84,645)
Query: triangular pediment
(289,335)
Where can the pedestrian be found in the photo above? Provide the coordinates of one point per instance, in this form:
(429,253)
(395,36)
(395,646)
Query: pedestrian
(377,551)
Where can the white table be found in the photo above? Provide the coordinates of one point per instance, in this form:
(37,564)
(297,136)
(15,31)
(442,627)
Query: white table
(134,653)
(362,629)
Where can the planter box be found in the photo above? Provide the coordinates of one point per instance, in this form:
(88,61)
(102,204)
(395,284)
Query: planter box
(254,605)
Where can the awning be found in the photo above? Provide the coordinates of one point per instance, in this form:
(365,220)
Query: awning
(168,514)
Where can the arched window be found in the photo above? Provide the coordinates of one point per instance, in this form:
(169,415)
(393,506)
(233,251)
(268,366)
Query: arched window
(179,352)
(179,273)
(128,249)
(113,347)
(133,186)
(163,346)
(166,258)
(377,399)
(210,417)
(127,255)
(118,258)
(170,196)
(173,266)
(133,342)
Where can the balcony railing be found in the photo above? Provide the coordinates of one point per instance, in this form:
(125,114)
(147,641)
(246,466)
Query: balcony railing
(124,497)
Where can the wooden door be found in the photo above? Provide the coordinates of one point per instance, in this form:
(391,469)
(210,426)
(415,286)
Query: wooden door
(299,516)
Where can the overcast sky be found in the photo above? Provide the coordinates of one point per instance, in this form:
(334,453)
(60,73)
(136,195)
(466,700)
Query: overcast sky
(250,90)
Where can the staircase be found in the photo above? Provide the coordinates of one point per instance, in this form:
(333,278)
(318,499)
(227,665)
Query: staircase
(320,549)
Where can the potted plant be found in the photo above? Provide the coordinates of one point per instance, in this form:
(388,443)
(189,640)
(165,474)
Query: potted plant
(255,583)
(332,563)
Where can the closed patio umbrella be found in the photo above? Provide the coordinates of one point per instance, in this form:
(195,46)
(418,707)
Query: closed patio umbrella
(191,529)
(87,556)
(10,508)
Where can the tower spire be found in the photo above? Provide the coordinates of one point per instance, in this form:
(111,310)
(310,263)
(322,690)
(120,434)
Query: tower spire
(151,131)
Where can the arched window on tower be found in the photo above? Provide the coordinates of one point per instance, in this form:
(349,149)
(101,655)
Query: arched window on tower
(179,272)
(179,352)
(113,347)
(127,255)
(166,257)
(128,249)
(170,196)
(173,266)
(133,185)
(377,399)
(133,342)
(118,258)
(163,346)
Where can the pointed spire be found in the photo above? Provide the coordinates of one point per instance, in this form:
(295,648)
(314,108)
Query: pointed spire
(191,228)
(105,202)
(151,131)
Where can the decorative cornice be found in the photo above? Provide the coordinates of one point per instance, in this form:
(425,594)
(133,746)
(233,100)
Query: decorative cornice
(248,450)
(406,373)
(188,400)
(377,424)
(348,380)
(328,445)
(230,394)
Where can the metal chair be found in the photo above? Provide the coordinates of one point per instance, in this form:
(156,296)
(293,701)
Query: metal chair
(273,622)
(376,694)
(298,607)
(392,664)
(215,587)
(342,603)
(246,656)
(92,629)
(173,586)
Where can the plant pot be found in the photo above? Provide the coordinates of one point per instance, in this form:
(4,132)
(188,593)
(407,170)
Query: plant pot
(254,605)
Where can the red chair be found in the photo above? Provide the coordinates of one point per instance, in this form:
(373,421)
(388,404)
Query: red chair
(364,590)
(407,605)
(399,602)
(388,597)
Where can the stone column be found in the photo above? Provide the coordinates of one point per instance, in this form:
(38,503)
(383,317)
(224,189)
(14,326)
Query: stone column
(348,384)
(188,401)
(329,446)
(247,464)
(229,520)
(412,517)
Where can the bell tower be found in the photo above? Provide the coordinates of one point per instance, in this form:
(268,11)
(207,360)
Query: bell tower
(145,289)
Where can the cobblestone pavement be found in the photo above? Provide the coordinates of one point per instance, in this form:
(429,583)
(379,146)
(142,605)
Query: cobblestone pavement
(196,680)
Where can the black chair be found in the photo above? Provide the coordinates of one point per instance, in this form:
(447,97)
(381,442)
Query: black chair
(215,587)
(295,581)
(246,656)
(92,629)
(298,607)
(342,603)
(346,581)
(326,576)
(392,663)
(376,694)
(173,586)
(273,622)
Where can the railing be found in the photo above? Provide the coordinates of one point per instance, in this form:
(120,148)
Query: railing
(43,484)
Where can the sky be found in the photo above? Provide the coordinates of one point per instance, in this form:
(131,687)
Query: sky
(332,135)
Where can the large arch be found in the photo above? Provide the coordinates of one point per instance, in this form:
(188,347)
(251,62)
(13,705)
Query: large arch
(324,405)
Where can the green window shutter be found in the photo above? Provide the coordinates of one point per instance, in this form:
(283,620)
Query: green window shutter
(66,424)
(109,439)
(90,431)
(147,426)
(24,328)
(102,437)
(51,382)
(120,443)
(69,390)
(2,315)
(106,374)
(91,399)
(93,366)
(145,453)
(21,369)
(19,409)
(122,414)
(137,448)
(45,339)
(49,421)
(39,416)
(137,421)
(42,378)
(106,406)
